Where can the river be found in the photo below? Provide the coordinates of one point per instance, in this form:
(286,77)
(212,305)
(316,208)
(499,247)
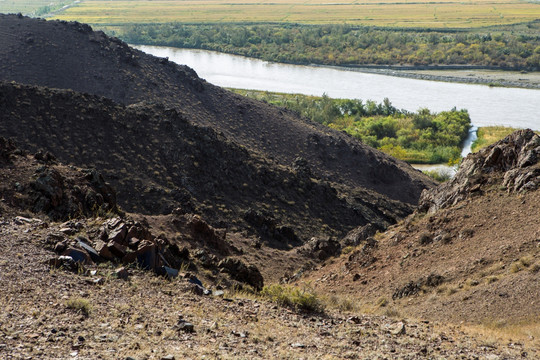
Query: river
(519,108)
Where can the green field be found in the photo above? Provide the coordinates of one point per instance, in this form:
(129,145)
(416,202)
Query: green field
(394,13)
(32,7)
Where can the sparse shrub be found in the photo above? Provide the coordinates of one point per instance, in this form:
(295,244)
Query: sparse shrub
(80,305)
(467,233)
(446,239)
(535,268)
(392,313)
(425,238)
(382,302)
(516,267)
(521,264)
(347,249)
(291,296)
(338,302)
(492,279)
(471,282)
(526,261)
(439,176)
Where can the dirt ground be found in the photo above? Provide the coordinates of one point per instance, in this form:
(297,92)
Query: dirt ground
(55,314)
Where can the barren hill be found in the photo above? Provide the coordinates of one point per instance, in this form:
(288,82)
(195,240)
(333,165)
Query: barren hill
(470,253)
(157,160)
(70,307)
(72,56)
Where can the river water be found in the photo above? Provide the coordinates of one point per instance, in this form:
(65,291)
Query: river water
(519,108)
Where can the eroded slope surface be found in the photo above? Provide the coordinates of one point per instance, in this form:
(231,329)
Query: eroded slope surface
(158,161)
(470,253)
(72,56)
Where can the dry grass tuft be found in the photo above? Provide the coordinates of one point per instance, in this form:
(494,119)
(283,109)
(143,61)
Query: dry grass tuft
(80,305)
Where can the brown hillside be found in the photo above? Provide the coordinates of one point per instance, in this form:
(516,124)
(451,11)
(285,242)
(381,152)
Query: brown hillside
(157,160)
(474,257)
(72,56)
(54,308)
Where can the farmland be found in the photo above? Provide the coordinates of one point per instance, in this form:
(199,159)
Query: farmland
(31,7)
(394,13)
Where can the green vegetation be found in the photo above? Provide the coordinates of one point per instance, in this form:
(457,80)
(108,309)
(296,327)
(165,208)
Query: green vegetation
(293,297)
(395,13)
(32,7)
(422,137)
(439,176)
(345,45)
(489,135)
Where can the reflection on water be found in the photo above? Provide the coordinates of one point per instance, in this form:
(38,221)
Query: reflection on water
(512,107)
(487,105)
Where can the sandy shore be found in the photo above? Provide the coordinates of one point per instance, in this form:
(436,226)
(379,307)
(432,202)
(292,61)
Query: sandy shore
(529,80)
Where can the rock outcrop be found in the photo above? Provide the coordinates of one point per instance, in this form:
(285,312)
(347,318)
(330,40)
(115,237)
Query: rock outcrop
(37,183)
(512,163)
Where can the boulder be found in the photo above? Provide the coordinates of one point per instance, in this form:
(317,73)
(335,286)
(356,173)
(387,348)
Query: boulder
(237,270)
(512,162)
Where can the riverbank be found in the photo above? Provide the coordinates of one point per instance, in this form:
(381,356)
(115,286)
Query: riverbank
(499,78)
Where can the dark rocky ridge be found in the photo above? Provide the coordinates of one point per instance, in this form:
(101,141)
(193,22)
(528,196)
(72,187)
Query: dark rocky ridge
(512,163)
(158,160)
(72,56)
(37,183)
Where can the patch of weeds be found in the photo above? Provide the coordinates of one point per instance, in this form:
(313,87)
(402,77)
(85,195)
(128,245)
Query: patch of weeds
(425,238)
(535,268)
(80,305)
(471,282)
(291,296)
(347,250)
(382,302)
(492,279)
(521,264)
(341,303)
(439,176)
(391,313)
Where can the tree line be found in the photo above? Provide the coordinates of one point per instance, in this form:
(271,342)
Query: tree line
(344,45)
(420,137)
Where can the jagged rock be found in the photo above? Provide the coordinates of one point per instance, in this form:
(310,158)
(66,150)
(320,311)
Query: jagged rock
(211,237)
(239,271)
(78,255)
(117,249)
(398,329)
(362,233)
(512,162)
(122,273)
(321,249)
(103,250)
(167,272)
(83,244)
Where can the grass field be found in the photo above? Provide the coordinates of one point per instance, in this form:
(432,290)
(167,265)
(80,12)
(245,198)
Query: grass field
(395,13)
(29,7)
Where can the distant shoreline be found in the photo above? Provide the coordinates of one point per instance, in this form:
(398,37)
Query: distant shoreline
(467,74)
(456,74)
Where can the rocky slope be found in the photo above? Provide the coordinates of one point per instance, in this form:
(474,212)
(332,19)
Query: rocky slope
(72,56)
(96,300)
(470,253)
(158,161)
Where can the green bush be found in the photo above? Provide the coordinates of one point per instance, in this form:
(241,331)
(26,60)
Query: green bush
(422,137)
